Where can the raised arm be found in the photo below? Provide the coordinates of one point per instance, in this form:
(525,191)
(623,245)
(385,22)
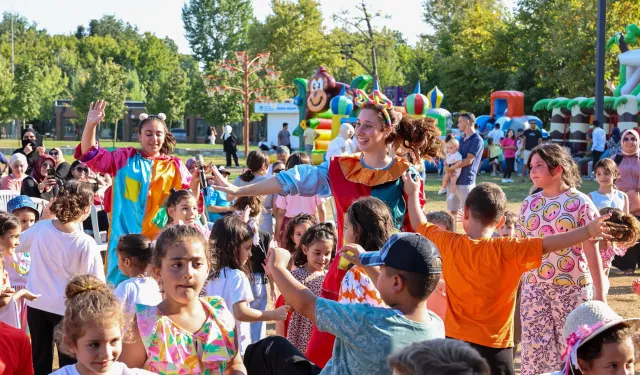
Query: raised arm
(414,210)
(595,229)
(94,117)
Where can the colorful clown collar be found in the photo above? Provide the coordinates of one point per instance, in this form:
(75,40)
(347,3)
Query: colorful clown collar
(355,171)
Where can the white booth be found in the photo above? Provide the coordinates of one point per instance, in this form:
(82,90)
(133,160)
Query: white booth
(277,114)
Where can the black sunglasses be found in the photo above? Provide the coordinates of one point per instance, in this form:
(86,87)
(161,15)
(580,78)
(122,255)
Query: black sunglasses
(82,169)
(53,153)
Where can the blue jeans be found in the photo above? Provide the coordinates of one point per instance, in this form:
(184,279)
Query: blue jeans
(259,290)
(308,148)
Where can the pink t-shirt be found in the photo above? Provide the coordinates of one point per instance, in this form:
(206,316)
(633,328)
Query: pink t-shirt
(295,204)
(543,216)
(509,153)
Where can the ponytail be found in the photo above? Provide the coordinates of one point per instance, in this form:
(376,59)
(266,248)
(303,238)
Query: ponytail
(256,160)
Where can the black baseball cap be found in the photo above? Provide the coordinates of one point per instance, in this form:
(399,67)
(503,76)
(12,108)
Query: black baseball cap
(408,252)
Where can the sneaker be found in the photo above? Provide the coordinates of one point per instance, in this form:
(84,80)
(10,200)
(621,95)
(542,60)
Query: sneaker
(504,180)
(509,180)
(442,191)
(493,174)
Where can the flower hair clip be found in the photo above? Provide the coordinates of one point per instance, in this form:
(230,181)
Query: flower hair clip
(574,340)
(144,116)
(377,99)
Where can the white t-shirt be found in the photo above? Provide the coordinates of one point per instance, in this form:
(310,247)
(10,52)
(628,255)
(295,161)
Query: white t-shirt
(233,286)
(56,257)
(138,290)
(496,134)
(337,144)
(117,368)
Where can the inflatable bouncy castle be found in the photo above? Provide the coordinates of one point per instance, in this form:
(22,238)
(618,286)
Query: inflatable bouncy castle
(570,118)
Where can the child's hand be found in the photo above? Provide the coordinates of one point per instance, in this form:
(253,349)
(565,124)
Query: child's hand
(354,249)
(23,293)
(635,286)
(598,228)
(7,292)
(281,312)
(411,185)
(277,257)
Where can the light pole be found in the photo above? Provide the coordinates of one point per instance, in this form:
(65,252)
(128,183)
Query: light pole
(247,68)
(601,27)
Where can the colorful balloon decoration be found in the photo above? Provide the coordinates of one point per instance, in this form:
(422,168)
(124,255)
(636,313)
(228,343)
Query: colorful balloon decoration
(436,96)
(416,104)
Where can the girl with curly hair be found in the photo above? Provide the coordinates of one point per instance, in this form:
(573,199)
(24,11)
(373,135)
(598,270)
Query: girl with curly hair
(59,251)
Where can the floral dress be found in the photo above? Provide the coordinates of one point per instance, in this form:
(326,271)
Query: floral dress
(300,327)
(171,350)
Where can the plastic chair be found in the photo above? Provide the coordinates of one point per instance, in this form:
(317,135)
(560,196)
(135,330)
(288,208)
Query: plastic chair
(96,233)
(5,197)
(40,204)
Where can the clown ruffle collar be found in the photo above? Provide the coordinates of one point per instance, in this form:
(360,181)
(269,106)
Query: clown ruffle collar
(355,171)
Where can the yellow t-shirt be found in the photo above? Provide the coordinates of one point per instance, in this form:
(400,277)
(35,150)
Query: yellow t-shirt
(494,151)
(309,135)
(482,279)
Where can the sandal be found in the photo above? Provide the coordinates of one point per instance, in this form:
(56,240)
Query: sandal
(629,272)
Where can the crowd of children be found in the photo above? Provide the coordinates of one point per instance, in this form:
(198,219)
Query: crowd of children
(195,298)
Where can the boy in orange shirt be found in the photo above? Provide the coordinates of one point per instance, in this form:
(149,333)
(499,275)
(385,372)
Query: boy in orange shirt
(482,273)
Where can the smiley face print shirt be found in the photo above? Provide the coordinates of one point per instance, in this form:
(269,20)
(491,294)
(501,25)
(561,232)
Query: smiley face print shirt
(542,216)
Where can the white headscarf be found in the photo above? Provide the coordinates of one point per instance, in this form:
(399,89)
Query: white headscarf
(227,132)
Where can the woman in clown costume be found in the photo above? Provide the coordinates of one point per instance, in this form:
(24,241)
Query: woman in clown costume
(142,179)
(371,172)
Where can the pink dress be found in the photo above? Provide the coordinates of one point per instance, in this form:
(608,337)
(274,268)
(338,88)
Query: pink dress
(509,153)
(10,180)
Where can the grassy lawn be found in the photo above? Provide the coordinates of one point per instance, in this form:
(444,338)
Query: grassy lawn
(14,143)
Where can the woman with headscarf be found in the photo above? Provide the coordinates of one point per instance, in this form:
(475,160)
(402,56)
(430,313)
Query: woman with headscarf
(63,168)
(628,162)
(30,149)
(39,184)
(229,146)
(18,166)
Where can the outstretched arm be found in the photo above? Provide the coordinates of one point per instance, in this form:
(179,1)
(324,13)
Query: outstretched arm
(595,229)
(412,189)
(94,117)
(300,297)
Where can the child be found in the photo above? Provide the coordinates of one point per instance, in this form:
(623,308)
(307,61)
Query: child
(291,205)
(494,156)
(439,356)
(453,160)
(182,208)
(232,240)
(134,257)
(92,329)
(598,341)
(18,264)
(508,229)
(296,228)
(25,210)
(572,274)
(15,348)
(369,224)
(607,195)
(365,335)
(481,312)
(625,232)
(437,301)
(184,334)
(312,257)
(59,250)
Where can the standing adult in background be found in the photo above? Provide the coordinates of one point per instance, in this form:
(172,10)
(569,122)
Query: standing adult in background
(599,139)
(471,148)
(29,148)
(282,155)
(310,135)
(212,134)
(532,138)
(230,146)
(496,134)
(284,137)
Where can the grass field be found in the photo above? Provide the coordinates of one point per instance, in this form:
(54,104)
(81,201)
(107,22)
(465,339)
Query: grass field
(14,143)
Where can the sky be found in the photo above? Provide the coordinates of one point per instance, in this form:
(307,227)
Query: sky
(163,17)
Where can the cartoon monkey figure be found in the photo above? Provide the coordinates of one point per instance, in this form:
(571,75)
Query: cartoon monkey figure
(320,90)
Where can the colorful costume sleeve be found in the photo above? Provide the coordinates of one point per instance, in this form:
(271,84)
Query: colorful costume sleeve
(306,180)
(140,188)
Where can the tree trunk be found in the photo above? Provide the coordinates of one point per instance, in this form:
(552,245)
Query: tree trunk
(374,62)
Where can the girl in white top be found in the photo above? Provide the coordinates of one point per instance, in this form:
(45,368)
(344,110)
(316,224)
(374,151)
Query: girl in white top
(232,240)
(92,329)
(59,251)
(134,256)
(12,300)
(607,195)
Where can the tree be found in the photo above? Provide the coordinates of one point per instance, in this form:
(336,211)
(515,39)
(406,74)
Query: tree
(215,29)
(173,100)
(109,25)
(6,90)
(27,100)
(105,81)
(296,39)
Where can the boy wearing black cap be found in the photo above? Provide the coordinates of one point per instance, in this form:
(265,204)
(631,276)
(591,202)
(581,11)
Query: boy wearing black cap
(410,268)
(483,273)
